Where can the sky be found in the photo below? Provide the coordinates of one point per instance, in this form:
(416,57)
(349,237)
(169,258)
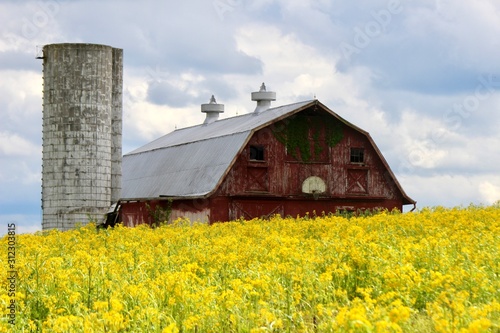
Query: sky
(422,77)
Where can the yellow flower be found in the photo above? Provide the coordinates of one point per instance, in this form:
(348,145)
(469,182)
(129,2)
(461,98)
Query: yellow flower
(74,297)
(380,273)
(172,328)
(113,321)
(399,314)
(191,322)
(385,326)
(479,325)
(116,305)
(100,306)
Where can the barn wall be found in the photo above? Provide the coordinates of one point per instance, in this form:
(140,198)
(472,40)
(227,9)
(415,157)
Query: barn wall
(196,210)
(249,208)
(202,216)
(134,213)
(137,212)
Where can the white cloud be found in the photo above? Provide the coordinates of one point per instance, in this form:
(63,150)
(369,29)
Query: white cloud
(451,190)
(11,144)
(294,69)
(490,192)
(146,121)
(466,25)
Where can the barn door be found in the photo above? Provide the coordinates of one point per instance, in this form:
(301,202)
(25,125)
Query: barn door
(250,209)
(257,179)
(357,181)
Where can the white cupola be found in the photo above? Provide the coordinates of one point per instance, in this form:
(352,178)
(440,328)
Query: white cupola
(212,109)
(263,98)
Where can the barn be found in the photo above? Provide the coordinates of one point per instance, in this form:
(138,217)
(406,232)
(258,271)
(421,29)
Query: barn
(290,160)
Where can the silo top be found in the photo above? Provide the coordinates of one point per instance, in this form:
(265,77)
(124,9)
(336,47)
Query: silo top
(81,46)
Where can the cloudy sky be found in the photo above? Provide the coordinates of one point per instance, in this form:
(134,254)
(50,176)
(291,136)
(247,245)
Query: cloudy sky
(422,77)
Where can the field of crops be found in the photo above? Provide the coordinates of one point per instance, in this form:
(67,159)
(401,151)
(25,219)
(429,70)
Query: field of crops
(436,270)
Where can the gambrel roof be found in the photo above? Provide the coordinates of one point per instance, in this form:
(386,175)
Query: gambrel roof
(193,161)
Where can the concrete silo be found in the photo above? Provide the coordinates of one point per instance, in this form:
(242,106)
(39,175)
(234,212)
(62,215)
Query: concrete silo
(82,126)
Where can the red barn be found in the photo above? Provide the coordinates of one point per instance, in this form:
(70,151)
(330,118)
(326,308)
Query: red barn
(288,160)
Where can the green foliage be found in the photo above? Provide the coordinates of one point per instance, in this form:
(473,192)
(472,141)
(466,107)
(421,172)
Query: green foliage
(295,136)
(363,212)
(160,215)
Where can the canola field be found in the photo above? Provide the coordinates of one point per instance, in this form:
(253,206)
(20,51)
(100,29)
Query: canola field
(435,270)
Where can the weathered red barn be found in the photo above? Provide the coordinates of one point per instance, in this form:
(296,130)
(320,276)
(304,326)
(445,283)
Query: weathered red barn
(288,160)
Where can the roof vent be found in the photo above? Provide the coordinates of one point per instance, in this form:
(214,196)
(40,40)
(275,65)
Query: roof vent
(263,98)
(212,109)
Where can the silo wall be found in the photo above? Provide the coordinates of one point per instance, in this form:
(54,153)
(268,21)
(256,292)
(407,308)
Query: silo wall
(80,113)
(116,125)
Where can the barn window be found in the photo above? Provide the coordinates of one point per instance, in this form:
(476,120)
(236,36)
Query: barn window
(357,155)
(257,153)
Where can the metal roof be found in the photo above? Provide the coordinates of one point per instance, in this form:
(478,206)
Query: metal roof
(187,170)
(191,162)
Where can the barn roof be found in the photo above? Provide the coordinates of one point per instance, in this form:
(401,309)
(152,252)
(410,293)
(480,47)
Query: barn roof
(192,162)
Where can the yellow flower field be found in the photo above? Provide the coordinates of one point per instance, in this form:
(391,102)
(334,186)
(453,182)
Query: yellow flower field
(436,270)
